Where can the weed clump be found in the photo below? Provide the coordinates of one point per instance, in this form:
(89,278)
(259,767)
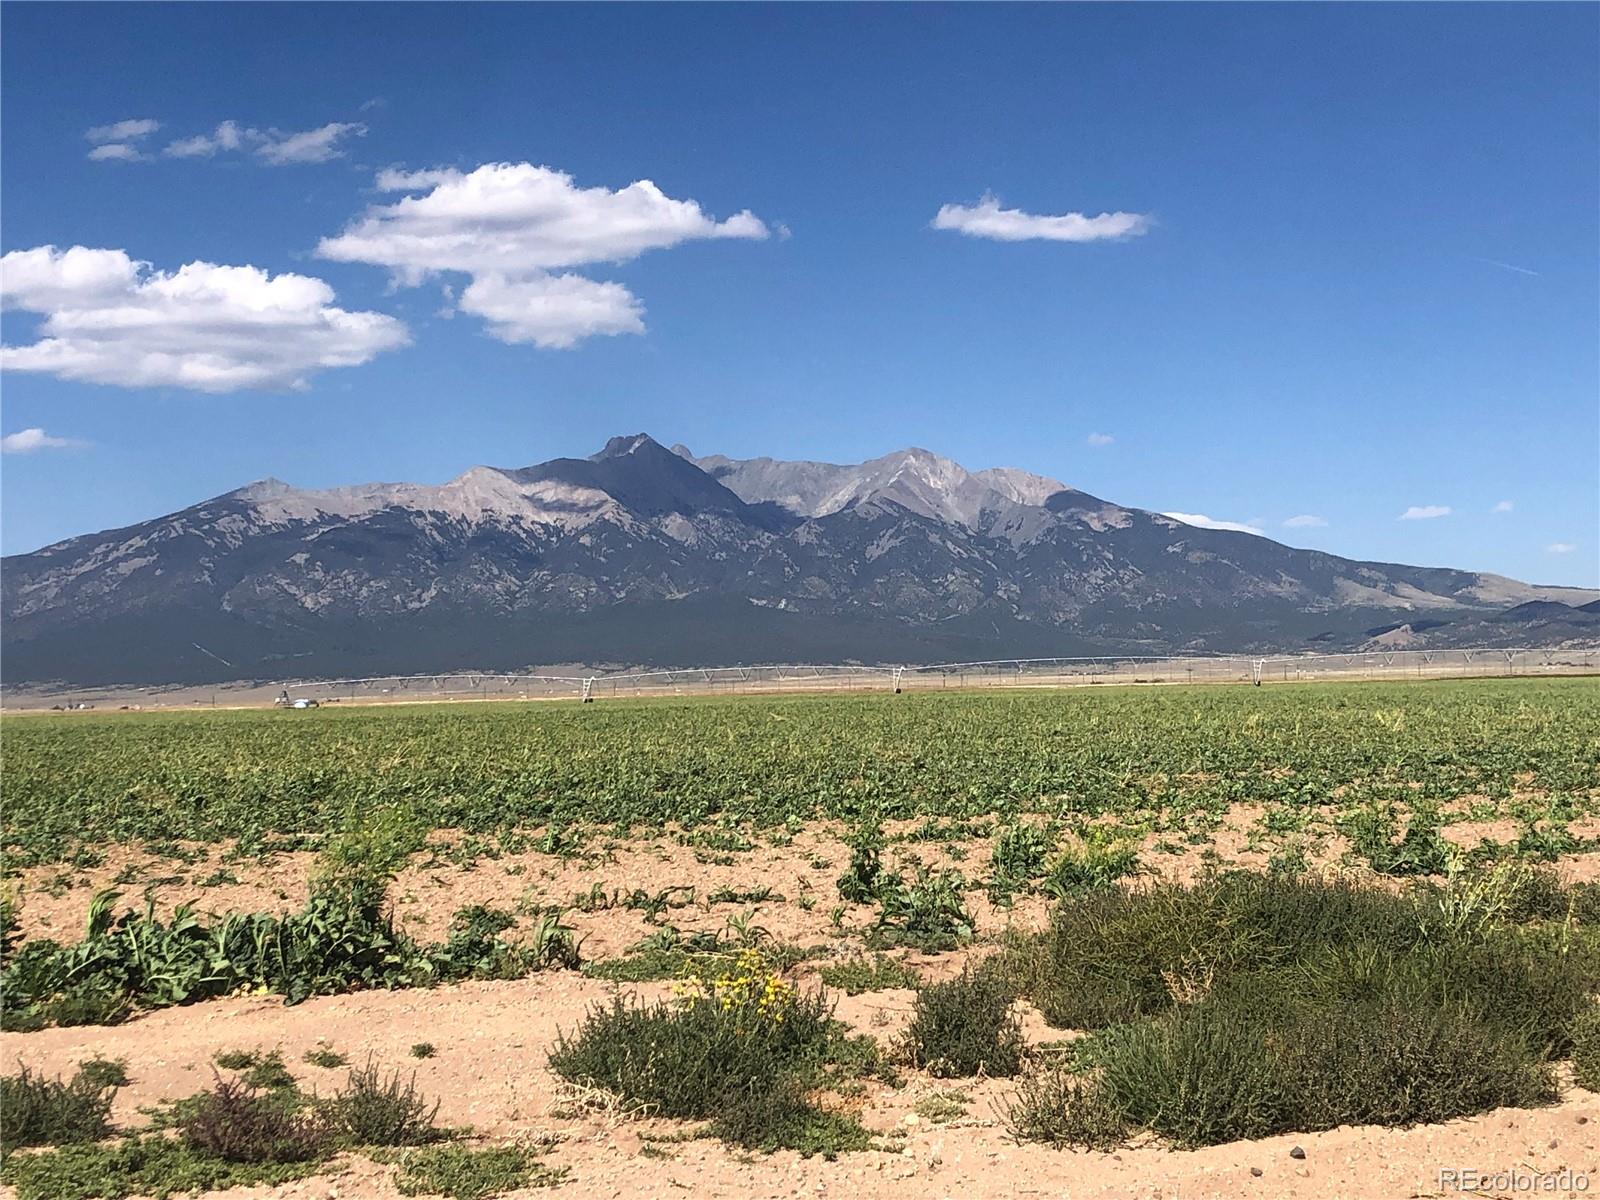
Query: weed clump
(776,1115)
(966,1026)
(861,974)
(1019,857)
(49,1112)
(373,1109)
(238,1123)
(468,1173)
(928,912)
(154,1166)
(1098,861)
(1374,836)
(104,1072)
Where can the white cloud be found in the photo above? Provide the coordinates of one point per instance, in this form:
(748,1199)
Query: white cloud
(111,319)
(26,441)
(554,312)
(1425,512)
(115,152)
(226,136)
(1306,521)
(987,219)
(510,226)
(516,218)
(277,148)
(1100,439)
(1504,506)
(123,131)
(1561,547)
(1201,521)
(274,147)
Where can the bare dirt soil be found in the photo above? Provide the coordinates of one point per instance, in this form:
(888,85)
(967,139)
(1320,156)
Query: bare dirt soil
(489,1072)
(492,1039)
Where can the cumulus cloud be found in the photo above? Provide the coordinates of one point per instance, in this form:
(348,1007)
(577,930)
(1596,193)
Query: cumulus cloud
(1306,521)
(510,227)
(1201,521)
(112,319)
(1425,512)
(28,441)
(516,218)
(987,219)
(1100,439)
(123,131)
(554,312)
(1561,547)
(1504,506)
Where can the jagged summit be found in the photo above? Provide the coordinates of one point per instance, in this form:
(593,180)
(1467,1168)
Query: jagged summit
(618,446)
(918,479)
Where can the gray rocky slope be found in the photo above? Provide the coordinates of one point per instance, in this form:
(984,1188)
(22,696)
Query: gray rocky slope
(641,554)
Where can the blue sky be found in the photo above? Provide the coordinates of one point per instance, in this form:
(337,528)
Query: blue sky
(1353,275)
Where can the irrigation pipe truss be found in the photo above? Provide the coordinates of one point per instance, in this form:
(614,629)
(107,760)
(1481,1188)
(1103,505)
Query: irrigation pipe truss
(990,672)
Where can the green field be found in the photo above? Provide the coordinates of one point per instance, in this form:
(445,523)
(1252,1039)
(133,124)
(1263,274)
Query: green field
(1263,910)
(1528,748)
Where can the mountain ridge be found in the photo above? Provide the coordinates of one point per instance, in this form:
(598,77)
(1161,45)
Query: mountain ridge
(686,561)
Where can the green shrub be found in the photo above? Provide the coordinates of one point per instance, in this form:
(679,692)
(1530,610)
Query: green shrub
(325,1057)
(775,1115)
(1248,1065)
(745,1029)
(238,1123)
(1248,1005)
(423,1050)
(468,1173)
(48,1112)
(154,1166)
(966,1026)
(1060,1108)
(1586,1049)
(377,1110)
(682,1059)
(1111,955)
(875,974)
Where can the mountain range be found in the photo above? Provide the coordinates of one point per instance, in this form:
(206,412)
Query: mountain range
(646,555)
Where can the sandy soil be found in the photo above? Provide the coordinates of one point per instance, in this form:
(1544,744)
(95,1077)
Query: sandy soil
(493,1039)
(800,872)
(489,1072)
